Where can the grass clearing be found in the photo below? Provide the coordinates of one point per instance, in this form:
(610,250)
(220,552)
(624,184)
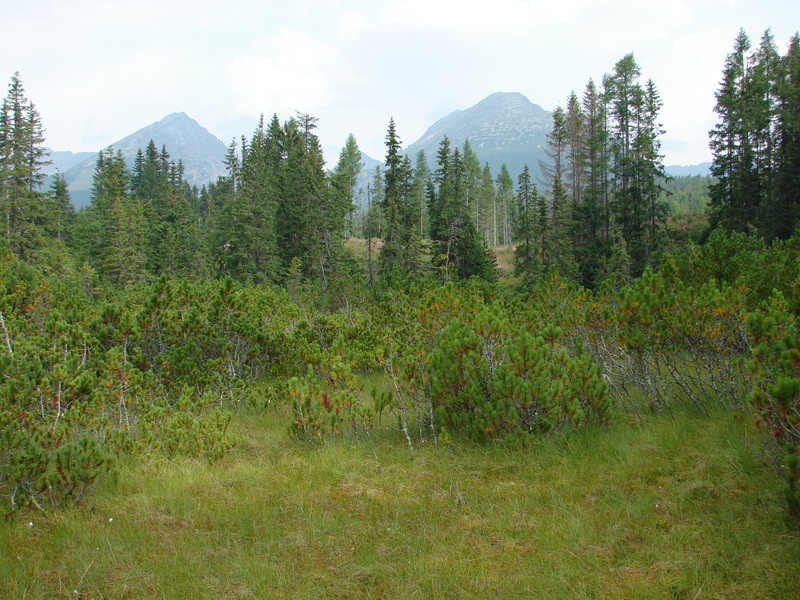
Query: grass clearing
(679,507)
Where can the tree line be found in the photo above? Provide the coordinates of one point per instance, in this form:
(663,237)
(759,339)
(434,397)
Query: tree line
(756,141)
(596,210)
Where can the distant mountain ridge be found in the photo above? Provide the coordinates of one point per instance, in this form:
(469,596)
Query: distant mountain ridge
(63,160)
(504,127)
(688,170)
(184,138)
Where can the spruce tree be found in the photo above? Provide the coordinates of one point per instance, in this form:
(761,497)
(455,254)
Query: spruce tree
(786,210)
(471,168)
(344,178)
(505,206)
(652,176)
(119,252)
(528,263)
(254,236)
(560,234)
(304,232)
(62,212)
(734,195)
(557,149)
(487,199)
(625,102)
(420,181)
(637,170)
(753,142)
(593,213)
(399,258)
(458,250)
(22,157)
(575,170)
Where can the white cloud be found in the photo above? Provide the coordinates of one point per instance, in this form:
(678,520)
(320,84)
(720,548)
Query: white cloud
(288,72)
(352,23)
(98,71)
(475,16)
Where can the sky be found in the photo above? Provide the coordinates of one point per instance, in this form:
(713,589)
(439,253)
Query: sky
(98,71)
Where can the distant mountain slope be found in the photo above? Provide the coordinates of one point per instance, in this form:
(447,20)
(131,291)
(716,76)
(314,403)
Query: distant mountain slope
(63,161)
(184,138)
(365,178)
(688,170)
(502,128)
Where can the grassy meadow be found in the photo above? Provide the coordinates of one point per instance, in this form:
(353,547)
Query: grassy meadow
(676,507)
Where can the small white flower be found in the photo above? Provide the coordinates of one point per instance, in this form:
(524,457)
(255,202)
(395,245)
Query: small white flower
(30,524)
(111,519)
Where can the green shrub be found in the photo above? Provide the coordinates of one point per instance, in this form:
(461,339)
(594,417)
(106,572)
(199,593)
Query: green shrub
(776,364)
(490,382)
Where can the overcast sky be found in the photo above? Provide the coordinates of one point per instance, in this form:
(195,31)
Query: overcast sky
(98,71)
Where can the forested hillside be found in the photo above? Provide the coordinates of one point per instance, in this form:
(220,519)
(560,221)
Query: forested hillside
(181,361)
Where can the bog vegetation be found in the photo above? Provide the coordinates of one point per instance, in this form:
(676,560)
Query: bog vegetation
(139,329)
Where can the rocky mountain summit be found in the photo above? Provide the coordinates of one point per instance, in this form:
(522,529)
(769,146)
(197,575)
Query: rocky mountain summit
(184,138)
(502,128)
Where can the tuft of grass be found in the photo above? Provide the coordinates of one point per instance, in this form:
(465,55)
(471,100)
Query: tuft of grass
(679,507)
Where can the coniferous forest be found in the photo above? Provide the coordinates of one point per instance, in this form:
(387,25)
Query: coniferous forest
(582,380)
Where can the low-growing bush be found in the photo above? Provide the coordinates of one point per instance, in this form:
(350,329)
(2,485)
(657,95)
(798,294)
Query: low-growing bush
(776,365)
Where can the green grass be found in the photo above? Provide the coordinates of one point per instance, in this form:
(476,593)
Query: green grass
(678,507)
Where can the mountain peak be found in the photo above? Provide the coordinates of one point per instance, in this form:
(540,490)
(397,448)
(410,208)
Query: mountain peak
(501,98)
(185,139)
(509,101)
(177,117)
(504,127)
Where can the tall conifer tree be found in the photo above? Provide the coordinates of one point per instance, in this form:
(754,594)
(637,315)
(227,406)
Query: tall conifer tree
(22,157)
